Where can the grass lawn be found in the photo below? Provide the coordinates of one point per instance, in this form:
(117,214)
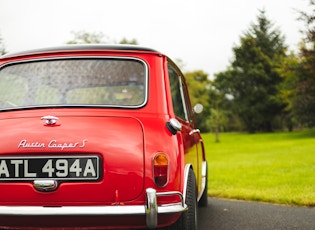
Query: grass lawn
(276,167)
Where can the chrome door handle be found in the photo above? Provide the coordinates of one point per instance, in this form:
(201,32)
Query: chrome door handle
(194,131)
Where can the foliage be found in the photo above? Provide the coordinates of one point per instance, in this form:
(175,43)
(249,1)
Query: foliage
(214,116)
(199,87)
(2,48)
(83,37)
(298,71)
(288,70)
(217,121)
(304,101)
(268,167)
(252,79)
(126,41)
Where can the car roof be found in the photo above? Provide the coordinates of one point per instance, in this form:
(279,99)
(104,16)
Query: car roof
(83,47)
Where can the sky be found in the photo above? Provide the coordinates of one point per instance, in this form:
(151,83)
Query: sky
(201,33)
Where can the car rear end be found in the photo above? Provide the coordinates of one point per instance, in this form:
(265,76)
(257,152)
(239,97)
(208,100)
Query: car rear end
(82,144)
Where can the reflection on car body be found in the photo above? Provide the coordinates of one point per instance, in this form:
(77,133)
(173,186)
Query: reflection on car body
(99,137)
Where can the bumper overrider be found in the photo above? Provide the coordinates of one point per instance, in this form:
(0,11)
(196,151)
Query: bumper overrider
(150,210)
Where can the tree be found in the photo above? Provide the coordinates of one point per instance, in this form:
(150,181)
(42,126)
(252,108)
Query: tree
(199,87)
(304,101)
(126,41)
(218,119)
(252,79)
(2,48)
(288,70)
(202,91)
(83,37)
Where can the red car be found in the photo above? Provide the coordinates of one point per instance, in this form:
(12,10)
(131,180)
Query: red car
(98,137)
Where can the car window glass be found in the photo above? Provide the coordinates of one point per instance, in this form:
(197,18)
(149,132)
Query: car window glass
(188,109)
(104,82)
(176,91)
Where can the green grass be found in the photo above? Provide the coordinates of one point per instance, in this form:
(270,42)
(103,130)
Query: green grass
(276,167)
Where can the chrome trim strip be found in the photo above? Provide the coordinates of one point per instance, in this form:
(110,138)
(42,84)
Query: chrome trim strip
(122,210)
(183,97)
(173,193)
(194,131)
(203,179)
(151,209)
(70,210)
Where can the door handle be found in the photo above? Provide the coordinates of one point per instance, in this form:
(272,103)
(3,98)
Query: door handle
(194,131)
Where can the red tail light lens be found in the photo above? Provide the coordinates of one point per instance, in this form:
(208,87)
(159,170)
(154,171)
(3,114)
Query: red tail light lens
(160,169)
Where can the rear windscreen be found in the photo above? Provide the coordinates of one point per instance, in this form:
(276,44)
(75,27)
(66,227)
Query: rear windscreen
(74,82)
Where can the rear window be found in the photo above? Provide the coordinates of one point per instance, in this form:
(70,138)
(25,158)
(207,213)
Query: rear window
(109,82)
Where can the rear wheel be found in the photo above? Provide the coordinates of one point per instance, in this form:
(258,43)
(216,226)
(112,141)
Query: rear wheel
(188,219)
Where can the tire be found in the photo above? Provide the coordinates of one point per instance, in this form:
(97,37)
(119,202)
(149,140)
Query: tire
(190,216)
(188,219)
(203,202)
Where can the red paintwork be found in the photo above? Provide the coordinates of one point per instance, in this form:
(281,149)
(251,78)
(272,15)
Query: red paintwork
(125,139)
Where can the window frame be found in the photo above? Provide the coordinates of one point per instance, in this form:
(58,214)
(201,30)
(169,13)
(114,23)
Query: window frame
(188,116)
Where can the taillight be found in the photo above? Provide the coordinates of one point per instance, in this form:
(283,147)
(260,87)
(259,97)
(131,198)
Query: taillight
(160,169)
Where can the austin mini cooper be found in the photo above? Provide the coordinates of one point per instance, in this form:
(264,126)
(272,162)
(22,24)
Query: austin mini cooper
(98,137)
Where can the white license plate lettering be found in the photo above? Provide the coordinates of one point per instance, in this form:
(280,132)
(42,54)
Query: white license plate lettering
(17,164)
(62,168)
(76,168)
(89,169)
(48,168)
(4,171)
(27,173)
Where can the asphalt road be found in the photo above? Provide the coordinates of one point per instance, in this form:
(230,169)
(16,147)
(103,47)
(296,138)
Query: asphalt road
(240,215)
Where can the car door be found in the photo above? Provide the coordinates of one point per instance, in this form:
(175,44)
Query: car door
(184,114)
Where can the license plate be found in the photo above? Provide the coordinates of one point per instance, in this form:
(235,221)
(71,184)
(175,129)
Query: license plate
(64,168)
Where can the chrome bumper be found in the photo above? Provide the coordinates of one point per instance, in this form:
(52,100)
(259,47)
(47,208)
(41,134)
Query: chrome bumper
(150,210)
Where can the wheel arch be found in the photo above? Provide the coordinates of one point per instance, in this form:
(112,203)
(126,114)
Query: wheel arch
(204,181)
(186,173)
